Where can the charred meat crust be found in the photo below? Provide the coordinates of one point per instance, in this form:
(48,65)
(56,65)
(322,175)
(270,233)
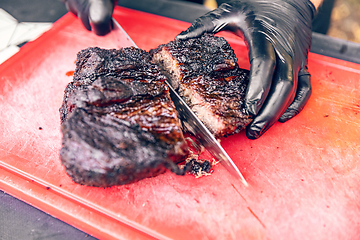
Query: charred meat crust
(119,124)
(114,152)
(205,73)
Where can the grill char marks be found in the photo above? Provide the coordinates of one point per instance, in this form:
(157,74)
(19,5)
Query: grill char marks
(119,124)
(205,73)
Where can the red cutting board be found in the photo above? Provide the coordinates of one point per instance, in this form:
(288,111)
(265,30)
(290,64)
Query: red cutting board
(304,174)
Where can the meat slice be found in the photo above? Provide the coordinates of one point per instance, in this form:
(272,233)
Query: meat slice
(206,75)
(119,124)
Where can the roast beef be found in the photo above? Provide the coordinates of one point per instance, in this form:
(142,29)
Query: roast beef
(119,124)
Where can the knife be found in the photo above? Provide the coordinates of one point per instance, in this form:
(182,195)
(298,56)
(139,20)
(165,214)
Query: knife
(194,125)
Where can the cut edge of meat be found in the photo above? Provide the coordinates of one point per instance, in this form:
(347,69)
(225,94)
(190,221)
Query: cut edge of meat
(185,83)
(169,66)
(202,110)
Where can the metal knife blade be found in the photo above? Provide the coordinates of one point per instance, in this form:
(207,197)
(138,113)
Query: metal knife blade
(204,136)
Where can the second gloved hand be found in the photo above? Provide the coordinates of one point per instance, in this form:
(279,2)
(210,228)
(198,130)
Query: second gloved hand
(278,36)
(96,15)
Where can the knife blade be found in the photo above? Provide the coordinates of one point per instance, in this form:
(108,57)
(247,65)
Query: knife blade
(203,135)
(193,123)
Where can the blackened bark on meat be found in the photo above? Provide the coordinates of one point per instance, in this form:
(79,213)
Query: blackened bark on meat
(102,150)
(119,124)
(205,73)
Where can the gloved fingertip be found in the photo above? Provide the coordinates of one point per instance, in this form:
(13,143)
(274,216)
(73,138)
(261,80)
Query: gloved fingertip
(290,113)
(253,132)
(101,30)
(100,15)
(285,117)
(101,25)
(187,34)
(181,36)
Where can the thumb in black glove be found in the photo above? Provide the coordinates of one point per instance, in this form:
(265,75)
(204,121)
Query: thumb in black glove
(278,36)
(96,15)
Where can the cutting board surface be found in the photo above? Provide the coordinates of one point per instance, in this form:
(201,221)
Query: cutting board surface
(304,175)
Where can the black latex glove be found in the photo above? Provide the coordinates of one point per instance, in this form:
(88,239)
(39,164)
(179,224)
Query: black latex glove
(278,36)
(95,15)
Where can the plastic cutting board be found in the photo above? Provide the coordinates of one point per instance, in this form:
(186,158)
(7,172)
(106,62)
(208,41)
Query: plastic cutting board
(304,174)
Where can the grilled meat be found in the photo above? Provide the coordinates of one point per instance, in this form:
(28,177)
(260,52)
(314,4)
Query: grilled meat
(119,124)
(206,75)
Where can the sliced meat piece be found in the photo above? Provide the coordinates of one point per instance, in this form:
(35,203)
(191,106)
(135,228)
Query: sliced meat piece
(206,75)
(119,124)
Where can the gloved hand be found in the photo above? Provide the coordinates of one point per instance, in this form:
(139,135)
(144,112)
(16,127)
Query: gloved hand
(278,36)
(96,15)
